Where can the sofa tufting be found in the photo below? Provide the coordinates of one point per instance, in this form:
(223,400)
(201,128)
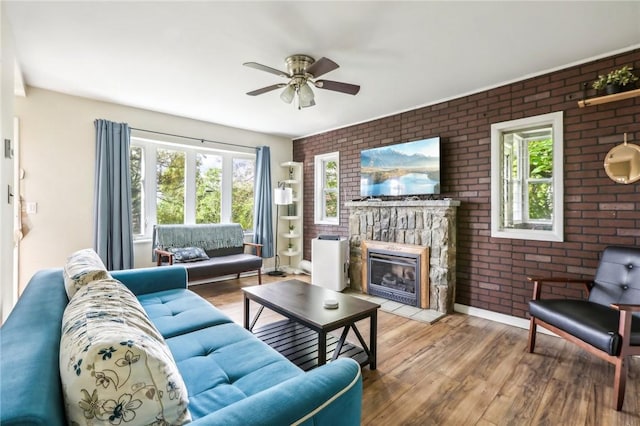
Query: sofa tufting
(230,376)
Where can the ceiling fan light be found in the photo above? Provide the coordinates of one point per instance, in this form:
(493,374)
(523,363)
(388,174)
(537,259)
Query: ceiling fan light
(287,94)
(305,94)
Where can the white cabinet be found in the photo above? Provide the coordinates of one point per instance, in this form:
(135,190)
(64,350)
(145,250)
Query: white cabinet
(290,225)
(330,263)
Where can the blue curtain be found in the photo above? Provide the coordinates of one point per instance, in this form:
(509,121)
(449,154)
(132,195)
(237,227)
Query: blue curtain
(262,206)
(113,237)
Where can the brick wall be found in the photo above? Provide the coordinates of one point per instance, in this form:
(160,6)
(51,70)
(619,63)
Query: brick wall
(491,272)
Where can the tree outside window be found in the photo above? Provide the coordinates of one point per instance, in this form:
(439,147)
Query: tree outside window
(191,186)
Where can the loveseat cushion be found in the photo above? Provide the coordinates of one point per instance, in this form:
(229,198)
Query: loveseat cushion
(180,311)
(225,265)
(224,364)
(591,322)
(81,268)
(114,364)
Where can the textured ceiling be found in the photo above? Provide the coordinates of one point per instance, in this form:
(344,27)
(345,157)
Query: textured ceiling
(185,58)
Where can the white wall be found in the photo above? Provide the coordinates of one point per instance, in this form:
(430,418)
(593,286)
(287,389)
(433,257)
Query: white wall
(58,152)
(8,292)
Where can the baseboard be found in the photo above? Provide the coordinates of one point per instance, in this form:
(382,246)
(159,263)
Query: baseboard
(497,317)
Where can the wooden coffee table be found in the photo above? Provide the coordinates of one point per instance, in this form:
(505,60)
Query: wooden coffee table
(303,303)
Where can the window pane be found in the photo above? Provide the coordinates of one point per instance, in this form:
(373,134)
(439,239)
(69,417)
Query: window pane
(540,158)
(330,204)
(540,201)
(242,192)
(331,174)
(137,190)
(208,188)
(170,192)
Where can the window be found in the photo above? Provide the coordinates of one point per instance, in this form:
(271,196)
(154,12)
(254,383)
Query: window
(191,185)
(327,189)
(526,178)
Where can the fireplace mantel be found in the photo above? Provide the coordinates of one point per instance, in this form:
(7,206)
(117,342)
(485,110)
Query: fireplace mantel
(430,223)
(403,203)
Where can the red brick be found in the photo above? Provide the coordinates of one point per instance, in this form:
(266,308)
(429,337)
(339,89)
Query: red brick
(491,272)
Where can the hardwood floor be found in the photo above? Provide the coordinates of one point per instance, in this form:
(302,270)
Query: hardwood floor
(465,370)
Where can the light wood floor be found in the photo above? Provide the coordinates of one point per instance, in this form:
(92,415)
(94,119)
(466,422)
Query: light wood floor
(465,370)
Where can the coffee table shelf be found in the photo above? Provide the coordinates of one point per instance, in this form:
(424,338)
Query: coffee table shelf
(299,344)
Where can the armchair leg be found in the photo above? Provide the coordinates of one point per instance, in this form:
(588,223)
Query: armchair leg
(620,382)
(259,277)
(532,334)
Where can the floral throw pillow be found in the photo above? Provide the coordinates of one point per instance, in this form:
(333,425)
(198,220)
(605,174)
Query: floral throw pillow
(81,268)
(115,367)
(188,254)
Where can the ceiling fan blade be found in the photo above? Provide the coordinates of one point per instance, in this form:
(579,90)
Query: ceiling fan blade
(267,69)
(266,89)
(338,86)
(321,66)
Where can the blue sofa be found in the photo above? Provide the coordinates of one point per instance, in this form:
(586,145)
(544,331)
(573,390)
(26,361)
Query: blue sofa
(232,378)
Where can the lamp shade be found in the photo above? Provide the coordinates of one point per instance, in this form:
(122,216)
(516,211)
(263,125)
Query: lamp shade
(282,196)
(287,94)
(306,95)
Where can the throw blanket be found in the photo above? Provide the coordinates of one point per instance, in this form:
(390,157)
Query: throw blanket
(206,236)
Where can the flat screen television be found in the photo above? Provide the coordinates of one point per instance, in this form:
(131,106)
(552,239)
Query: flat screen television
(409,168)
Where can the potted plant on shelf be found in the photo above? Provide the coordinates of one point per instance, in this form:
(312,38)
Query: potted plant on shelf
(616,81)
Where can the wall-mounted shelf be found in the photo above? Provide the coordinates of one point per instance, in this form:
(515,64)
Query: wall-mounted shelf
(609,98)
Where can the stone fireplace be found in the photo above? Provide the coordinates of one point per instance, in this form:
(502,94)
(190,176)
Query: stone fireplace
(428,223)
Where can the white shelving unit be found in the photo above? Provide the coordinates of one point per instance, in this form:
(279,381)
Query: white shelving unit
(291,220)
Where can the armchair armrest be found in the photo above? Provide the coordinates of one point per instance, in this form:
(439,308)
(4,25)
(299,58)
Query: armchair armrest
(163,253)
(624,327)
(257,246)
(623,307)
(537,283)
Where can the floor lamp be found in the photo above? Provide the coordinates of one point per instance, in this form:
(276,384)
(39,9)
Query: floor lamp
(282,196)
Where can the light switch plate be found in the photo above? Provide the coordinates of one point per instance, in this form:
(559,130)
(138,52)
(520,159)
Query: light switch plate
(32,207)
(8,152)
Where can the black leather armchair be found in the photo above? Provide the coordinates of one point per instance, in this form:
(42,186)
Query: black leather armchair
(607,323)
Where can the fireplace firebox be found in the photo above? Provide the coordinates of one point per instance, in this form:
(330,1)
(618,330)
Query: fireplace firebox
(393,276)
(398,272)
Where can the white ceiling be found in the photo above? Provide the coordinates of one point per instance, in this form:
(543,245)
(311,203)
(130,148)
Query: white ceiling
(185,58)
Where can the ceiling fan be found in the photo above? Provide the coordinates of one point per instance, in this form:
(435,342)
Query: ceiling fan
(302,72)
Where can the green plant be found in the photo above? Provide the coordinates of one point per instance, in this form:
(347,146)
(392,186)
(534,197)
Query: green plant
(621,77)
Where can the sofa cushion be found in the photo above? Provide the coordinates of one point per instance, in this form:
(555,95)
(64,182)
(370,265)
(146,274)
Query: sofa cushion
(81,268)
(114,364)
(188,254)
(180,311)
(224,364)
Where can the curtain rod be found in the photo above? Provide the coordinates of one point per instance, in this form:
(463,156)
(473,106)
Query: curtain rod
(194,139)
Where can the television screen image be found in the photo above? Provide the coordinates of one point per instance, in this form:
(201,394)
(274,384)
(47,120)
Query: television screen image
(409,168)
